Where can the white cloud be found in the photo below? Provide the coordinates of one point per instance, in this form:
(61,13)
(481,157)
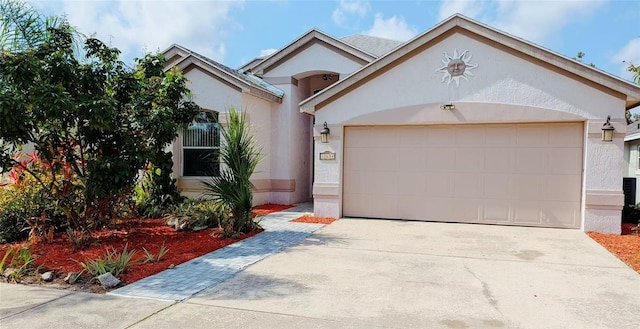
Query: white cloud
(267,52)
(537,21)
(394,28)
(630,53)
(531,20)
(137,26)
(468,8)
(346,8)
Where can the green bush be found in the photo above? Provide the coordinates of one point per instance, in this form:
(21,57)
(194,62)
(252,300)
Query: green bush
(20,205)
(198,213)
(112,261)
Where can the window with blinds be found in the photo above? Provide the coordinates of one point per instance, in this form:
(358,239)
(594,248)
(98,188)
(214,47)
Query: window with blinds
(201,146)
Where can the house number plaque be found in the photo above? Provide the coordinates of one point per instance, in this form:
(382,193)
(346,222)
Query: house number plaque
(326,155)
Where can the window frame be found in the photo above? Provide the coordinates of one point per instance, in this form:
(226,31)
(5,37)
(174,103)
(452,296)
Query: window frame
(216,138)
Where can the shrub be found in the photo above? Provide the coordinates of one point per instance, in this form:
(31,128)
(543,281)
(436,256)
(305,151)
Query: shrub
(112,261)
(20,261)
(232,190)
(27,209)
(197,213)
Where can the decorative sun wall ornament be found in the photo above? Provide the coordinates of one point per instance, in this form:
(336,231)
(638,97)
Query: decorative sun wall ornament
(456,67)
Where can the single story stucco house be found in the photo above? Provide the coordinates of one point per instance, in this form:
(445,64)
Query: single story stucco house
(463,123)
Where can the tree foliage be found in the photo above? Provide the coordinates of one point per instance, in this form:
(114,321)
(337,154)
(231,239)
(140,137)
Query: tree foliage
(94,122)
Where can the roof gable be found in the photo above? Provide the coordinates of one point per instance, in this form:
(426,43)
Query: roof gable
(313,36)
(459,23)
(373,45)
(184,58)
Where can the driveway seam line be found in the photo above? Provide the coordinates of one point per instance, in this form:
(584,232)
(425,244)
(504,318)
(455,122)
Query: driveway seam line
(274,313)
(151,315)
(37,306)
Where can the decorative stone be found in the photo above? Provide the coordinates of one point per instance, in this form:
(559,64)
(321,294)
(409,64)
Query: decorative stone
(183,226)
(199,228)
(48,276)
(71,277)
(171,266)
(8,272)
(173,222)
(107,280)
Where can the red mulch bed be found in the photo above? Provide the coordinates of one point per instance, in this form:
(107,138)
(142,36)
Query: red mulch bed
(313,220)
(625,246)
(60,257)
(266,209)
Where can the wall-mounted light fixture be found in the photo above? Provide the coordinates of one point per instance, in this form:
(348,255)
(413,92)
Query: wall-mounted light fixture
(607,130)
(326,77)
(324,133)
(448,107)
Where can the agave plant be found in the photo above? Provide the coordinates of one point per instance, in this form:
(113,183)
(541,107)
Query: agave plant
(231,189)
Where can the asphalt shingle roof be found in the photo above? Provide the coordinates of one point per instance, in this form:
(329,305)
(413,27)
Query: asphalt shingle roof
(373,45)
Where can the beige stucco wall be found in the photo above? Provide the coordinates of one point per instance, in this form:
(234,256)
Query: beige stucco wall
(315,58)
(212,94)
(503,88)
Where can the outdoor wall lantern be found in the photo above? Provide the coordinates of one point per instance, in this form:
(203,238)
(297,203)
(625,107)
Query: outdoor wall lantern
(324,133)
(607,130)
(448,107)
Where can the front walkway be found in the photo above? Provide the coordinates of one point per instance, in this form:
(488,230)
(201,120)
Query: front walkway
(206,271)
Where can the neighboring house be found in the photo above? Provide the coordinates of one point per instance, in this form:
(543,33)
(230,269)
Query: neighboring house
(632,164)
(463,123)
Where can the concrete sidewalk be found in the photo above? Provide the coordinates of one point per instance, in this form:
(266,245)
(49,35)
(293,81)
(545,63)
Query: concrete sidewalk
(379,274)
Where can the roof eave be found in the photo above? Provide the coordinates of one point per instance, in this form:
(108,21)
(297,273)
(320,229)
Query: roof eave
(599,77)
(259,68)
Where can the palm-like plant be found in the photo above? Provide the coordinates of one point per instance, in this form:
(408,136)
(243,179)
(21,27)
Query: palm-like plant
(23,28)
(232,190)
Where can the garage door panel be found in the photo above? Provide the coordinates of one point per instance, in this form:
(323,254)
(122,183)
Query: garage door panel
(356,158)
(440,159)
(411,207)
(531,160)
(499,160)
(439,136)
(411,160)
(470,136)
(468,210)
(437,184)
(362,205)
(413,184)
(466,185)
(498,186)
(513,174)
(561,214)
(560,187)
(527,212)
(438,209)
(496,211)
(412,137)
(529,187)
(500,135)
(531,135)
(469,160)
(564,160)
(565,135)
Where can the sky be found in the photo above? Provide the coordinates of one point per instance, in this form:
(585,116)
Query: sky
(234,32)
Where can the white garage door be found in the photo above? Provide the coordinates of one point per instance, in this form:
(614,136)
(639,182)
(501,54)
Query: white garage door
(511,174)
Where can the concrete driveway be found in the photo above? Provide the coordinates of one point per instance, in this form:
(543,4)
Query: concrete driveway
(358,273)
(375,273)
